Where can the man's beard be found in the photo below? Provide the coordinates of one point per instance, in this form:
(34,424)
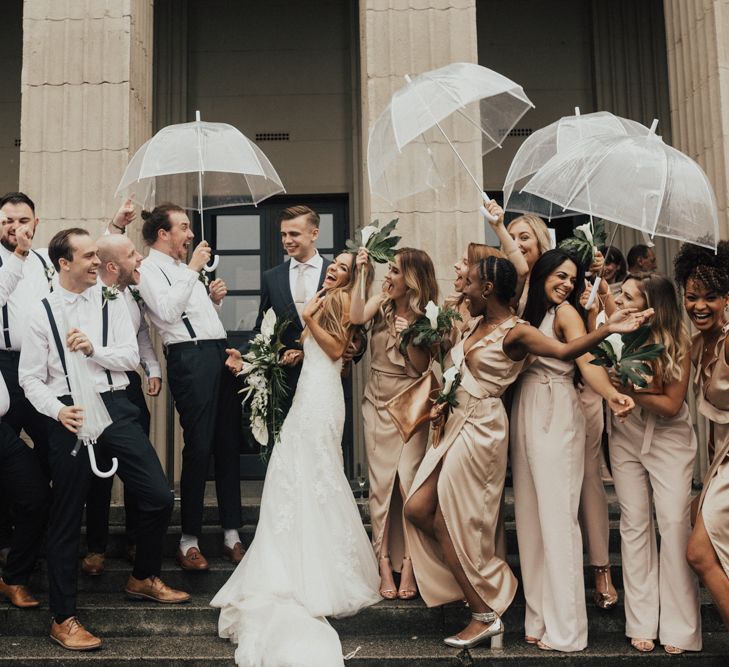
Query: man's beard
(8,245)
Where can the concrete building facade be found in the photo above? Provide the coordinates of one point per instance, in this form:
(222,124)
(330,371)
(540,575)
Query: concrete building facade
(88,81)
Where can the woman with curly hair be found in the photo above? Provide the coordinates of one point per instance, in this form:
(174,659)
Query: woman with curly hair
(652,454)
(704,277)
(408,286)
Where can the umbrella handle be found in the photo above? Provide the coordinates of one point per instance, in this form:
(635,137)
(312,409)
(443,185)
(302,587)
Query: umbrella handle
(593,293)
(484,212)
(94,468)
(213,265)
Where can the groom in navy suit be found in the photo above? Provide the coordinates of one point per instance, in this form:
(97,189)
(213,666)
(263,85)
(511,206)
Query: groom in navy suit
(289,286)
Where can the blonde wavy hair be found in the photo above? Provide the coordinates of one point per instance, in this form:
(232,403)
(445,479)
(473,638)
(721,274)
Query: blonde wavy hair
(539,229)
(419,275)
(667,327)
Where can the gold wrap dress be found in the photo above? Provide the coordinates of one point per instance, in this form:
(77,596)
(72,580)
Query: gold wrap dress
(473,452)
(388,456)
(711,386)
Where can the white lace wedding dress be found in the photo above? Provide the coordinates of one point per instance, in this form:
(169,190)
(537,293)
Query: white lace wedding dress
(311,557)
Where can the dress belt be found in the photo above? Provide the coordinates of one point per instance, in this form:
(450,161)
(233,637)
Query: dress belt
(549,380)
(650,426)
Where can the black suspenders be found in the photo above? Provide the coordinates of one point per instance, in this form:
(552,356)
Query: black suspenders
(59,342)
(6,322)
(185,318)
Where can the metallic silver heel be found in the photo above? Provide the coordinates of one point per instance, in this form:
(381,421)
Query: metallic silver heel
(494,632)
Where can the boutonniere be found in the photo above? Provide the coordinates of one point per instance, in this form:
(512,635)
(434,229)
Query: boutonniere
(203,278)
(50,272)
(136,296)
(109,294)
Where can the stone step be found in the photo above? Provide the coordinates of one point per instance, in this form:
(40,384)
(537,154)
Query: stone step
(117,571)
(115,614)
(211,539)
(372,651)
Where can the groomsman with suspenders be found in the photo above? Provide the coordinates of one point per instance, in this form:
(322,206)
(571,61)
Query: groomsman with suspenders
(35,282)
(101,329)
(24,485)
(185,313)
(119,269)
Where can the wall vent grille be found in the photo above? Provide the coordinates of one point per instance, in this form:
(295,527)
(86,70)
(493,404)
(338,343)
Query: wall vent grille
(521,132)
(272,136)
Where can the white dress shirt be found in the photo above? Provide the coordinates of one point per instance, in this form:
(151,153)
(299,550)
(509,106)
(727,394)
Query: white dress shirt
(148,356)
(41,372)
(30,289)
(4,397)
(166,302)
(311,275)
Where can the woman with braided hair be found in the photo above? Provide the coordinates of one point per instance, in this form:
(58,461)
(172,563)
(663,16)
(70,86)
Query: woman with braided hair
(454,500)
(704,277)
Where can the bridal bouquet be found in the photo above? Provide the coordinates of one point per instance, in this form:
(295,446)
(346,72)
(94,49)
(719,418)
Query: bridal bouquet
(265,380)
(430,330)
(380,245)
(584,241)
(447,395)
(627,354)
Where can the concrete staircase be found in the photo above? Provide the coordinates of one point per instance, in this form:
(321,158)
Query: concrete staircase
(391,634)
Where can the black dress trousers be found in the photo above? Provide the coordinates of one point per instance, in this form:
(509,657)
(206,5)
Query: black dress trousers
(99,498)
(206,398)
(141,472)
(26,488)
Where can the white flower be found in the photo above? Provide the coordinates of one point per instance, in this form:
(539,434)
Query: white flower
(260,431)
(616,342)
(587,231)
(431,312)
(269,323)
(367,233)
(449,377)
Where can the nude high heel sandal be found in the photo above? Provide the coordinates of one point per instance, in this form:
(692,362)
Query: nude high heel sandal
(387,593)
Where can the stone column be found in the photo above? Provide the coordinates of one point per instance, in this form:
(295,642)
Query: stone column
(86,105)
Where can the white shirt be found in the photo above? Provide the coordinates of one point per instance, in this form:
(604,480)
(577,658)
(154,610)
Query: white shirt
(30,289)
(148,356)
(166,303)
(40,371)
(311,275)
(4,397)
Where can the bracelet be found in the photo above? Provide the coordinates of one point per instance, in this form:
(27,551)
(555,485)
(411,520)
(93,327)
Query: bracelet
(123,230)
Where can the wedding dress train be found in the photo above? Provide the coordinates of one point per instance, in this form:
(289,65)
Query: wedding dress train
(311,557)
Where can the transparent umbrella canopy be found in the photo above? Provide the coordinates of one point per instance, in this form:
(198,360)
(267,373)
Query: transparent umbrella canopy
(413,143)
(199,165)
(637,181)
(547,142)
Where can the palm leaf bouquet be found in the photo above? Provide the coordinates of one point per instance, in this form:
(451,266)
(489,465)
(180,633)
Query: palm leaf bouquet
(627,354)
(585,240)
(430,330)
(379,244)
(265,380)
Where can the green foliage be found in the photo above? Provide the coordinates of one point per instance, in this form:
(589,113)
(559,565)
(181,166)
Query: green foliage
(581,247)
(380,246)
(631,365)
(421,334)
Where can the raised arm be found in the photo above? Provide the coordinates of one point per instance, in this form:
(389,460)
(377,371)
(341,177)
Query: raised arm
(362,311)
(509,247)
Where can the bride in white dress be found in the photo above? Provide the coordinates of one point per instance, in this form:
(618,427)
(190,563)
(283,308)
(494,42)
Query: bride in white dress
(311,557)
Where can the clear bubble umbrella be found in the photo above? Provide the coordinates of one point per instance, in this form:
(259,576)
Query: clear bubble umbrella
(637,181)
(413,143)
(547,142)
(214,160)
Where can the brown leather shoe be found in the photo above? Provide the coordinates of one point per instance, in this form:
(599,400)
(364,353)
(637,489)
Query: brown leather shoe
(93,564)
(153,588)
(18,595)
(193,560)
(234,555)
(72,635)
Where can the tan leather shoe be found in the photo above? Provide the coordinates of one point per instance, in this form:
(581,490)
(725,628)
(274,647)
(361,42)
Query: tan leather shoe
(72,635)
(93,564)
(153,588)
(235,555)
(18,595)
(193,560)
